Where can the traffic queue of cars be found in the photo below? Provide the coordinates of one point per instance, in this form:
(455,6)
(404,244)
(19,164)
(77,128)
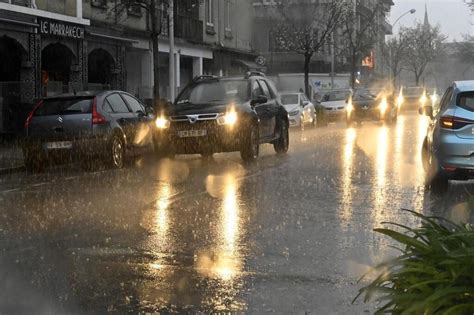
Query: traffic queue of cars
(210,115)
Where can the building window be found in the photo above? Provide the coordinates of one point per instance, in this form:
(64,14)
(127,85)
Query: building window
(210,12)
(210,17)
(227,19)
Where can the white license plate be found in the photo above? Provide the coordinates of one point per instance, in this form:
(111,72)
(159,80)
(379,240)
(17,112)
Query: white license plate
(192,133)
(59,145)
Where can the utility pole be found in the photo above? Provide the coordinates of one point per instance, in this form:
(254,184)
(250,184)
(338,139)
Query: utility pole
(172,80)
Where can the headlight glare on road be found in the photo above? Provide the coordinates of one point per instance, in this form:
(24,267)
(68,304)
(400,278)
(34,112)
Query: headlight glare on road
(400,100)
(349,108)
(229,119)
(383,106)
(162,123)
(294,113)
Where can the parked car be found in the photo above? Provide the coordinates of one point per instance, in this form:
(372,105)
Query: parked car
(334,103)
(300,109)
(371,104)
(213,115)
(85,126)
(448,148)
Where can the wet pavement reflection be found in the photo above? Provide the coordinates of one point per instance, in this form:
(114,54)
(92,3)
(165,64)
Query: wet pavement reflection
(287,234)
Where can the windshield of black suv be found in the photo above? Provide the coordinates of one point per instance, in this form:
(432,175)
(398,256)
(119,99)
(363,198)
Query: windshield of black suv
(417,91)
(289,99)
(333,96)
(363,94)
(214,92)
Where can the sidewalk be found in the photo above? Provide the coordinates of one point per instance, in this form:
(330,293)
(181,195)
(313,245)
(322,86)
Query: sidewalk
(11,159)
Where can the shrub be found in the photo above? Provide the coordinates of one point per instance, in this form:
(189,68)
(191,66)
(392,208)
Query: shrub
(434,273)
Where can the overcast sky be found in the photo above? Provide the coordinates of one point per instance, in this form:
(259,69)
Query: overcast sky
(452,15)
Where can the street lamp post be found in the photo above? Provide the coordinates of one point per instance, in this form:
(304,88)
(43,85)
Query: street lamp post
(411,11)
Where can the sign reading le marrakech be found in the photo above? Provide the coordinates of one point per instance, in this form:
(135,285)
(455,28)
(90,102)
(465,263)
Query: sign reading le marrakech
(56,28)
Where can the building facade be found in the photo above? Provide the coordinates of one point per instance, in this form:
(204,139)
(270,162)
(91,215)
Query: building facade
(48,47)
(280,61)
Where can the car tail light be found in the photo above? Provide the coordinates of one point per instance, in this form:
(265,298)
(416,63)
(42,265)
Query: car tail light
(452,122)
(30,115)
(97,119)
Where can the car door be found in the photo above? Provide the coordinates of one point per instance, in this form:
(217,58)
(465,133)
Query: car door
(122,115)
(272,107)
(261,109)
(437,112)
(141,122)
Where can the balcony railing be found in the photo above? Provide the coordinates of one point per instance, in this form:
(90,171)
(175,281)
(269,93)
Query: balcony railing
(185,28)
(188,28)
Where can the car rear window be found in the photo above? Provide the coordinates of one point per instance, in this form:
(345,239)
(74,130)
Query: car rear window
(466,100)
(65,106)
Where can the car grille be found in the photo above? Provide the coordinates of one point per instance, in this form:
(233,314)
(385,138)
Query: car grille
(191,118)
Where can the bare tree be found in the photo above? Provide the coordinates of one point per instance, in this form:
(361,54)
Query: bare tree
(157,16)
(395,51)
(304,27)
(360,29)
(425,44)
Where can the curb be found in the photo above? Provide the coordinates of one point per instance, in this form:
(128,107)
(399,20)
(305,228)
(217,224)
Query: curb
(11,170)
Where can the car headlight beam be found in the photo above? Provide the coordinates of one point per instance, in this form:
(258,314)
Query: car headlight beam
(383,106)
(228,119)
(162,123)
(349,108)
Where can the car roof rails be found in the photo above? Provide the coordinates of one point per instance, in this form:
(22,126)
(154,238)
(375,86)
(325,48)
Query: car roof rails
(205,77)
(254,73)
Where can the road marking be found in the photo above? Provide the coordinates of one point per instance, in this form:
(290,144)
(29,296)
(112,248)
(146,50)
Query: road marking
(10,190)
(39,184)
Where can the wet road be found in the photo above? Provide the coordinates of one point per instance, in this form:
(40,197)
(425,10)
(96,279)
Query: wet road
(288,234)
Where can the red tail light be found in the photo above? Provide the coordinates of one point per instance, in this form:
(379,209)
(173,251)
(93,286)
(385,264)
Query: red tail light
(30,115)
(97,119)
(452,122)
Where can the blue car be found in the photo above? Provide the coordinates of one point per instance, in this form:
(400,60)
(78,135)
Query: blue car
(448,149)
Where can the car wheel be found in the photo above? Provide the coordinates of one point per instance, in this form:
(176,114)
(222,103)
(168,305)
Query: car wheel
(117,152)
(282,144)
(434,179)
(251,146)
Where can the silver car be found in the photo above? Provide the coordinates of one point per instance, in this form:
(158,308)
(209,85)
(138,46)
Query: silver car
(85,126)
(448,149)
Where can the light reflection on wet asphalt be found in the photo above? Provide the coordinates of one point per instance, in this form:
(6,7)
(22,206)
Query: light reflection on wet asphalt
(288,234)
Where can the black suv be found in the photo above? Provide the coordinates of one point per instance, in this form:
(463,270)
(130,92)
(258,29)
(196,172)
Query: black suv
(215,114)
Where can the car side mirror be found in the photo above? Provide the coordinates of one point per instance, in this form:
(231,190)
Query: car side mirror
(426,111)
(305,103)
(149,110)
(261,99)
